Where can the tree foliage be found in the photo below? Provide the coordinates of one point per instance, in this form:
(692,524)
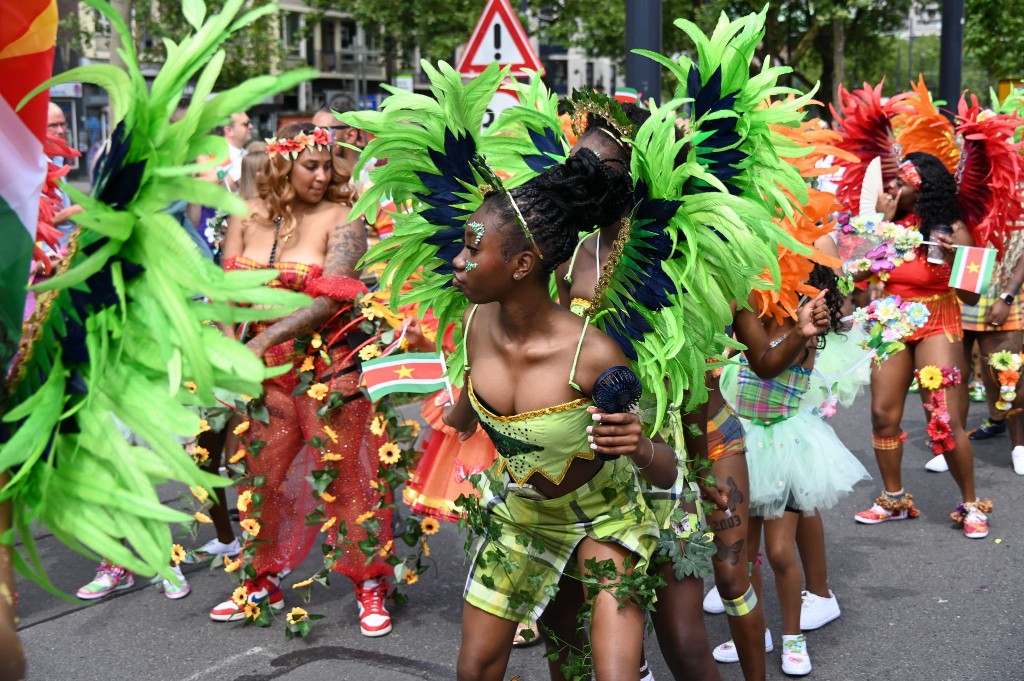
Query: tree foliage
(994,36)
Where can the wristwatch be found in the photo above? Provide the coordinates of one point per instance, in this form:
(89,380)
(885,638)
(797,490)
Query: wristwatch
(1006,298)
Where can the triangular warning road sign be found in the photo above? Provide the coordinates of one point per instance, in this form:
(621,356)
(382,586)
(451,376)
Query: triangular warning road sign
(499,37)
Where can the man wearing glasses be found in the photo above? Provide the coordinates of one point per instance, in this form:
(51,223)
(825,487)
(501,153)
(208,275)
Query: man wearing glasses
(343,134)
(238,133)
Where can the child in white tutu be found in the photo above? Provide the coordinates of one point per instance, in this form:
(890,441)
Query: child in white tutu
(797,463)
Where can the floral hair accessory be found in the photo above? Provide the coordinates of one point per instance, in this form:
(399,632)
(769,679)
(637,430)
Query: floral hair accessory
(909,174)
(1007,367)
(320,138)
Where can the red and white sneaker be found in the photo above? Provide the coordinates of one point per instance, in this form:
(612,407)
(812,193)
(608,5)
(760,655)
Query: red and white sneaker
(109,578)
(975,524)
(876,514)
(264,591)
(374,619)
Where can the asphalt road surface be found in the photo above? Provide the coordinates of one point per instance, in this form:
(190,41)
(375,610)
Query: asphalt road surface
(919,601)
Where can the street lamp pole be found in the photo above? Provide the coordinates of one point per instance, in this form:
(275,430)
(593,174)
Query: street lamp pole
(951,51)
(643,30)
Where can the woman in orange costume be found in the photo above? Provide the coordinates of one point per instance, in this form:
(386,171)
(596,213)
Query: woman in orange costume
(300,226)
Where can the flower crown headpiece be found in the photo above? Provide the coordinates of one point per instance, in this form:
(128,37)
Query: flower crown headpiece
(320,138)
(493,181)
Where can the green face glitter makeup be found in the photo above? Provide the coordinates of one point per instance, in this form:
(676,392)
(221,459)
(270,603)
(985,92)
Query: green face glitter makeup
(479,229)
(470,266)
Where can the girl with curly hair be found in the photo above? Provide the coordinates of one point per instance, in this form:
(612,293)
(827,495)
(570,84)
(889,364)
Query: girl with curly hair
(924,195)
(300,226)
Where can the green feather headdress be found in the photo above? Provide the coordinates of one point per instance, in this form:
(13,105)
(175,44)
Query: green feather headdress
(130,320)
(438,164)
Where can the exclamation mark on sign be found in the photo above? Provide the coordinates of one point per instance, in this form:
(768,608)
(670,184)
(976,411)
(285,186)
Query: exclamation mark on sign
(497,42)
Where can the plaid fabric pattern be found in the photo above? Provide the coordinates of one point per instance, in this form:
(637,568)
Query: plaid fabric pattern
(769,401)
(513,579)
(725,434)
(974,315)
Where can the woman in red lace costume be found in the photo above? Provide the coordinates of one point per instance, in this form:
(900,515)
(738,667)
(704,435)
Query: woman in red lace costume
(300,226)
(924,195)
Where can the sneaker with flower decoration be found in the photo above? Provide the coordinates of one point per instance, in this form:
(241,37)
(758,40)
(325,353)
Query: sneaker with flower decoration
(975,524)
(795,660)
(876,514)
(109,578)
(374,619)
(264,591)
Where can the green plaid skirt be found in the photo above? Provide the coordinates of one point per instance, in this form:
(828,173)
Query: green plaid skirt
(516,570)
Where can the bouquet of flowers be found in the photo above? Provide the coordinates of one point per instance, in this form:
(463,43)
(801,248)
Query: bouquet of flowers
(871,244)
(887,322)
(1006,365)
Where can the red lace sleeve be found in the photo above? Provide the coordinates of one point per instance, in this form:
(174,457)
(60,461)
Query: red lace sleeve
(342,289)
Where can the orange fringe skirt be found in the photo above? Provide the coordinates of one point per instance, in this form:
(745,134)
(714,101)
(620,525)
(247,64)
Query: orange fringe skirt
(944,318)
(443,471)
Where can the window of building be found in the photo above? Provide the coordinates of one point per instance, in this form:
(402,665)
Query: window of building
(290,28)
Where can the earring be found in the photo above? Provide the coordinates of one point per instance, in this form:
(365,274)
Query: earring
(515,276)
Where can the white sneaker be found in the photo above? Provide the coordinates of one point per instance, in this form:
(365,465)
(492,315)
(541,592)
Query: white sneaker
(795,660)
(817,611)
(1017,456)
(713,601)
(645,672)
(938,464)
(727,652)
(212,548)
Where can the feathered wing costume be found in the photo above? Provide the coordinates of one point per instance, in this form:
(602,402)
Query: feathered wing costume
(979,147)
(129,320)
(989,173)
(703,231)
(435,151)
(864,123)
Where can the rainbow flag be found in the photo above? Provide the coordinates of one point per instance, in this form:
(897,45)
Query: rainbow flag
(972,268)
(409,372)
(28,34)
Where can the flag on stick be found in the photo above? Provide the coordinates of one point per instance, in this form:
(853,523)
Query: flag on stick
(27,40)
(972,268)
(410,372)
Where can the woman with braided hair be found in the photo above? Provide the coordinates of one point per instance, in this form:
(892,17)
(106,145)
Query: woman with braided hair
(531,370)
(924,195)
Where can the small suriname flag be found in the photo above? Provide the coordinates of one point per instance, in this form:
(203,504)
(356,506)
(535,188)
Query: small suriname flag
(972,268)
(410,372)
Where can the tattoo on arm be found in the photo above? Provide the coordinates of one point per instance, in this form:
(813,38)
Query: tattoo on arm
(345,246)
